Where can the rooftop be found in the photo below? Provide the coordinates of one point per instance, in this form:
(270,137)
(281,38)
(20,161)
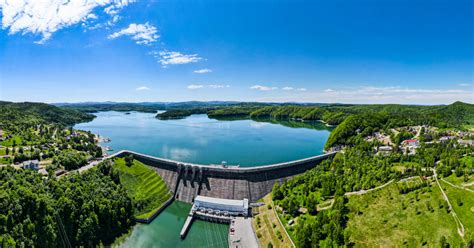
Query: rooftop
(230,202)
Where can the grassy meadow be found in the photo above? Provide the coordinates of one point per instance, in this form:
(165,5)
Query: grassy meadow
(386,218)
(146,188)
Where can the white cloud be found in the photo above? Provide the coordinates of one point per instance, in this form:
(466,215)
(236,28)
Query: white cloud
(141,33)
(268,88)
(263,88)
(374,94)
(175,58)
(203,71)
(195,86)
(218,86)
(211,86)
(142,88)
(465,85)
(45,17)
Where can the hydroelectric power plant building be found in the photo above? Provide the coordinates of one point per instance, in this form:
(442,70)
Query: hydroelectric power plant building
(215,210)
(221,206)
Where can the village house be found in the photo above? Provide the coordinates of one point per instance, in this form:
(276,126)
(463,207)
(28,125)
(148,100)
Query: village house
(31,165)
(384,150)
(464,134)
(409,146)
(447,138)
(413,143)
(466,142)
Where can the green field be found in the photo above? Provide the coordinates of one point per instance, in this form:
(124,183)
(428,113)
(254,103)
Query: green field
(146,188)
(386,218)
(463,204)
(9,142)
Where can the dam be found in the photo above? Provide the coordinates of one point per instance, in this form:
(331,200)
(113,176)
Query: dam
(188,180)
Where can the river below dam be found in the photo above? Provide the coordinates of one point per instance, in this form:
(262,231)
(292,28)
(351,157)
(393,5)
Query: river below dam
(164,230)
(198,139)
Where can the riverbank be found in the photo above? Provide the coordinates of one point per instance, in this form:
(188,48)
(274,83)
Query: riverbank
(164,230)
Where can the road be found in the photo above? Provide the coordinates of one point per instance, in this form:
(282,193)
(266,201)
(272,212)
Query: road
(243,235)
(87,167)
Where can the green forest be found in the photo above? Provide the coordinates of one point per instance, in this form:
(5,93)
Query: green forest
(83,209)
(358,168)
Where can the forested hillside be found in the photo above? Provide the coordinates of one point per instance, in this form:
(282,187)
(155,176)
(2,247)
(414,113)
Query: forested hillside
(318,199)
(88,208)
(24,115)
(39,131)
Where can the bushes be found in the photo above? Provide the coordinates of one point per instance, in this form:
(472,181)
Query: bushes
(70,159)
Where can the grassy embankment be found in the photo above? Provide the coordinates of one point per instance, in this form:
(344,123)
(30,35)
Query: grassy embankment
(267,226)
(420,217)
(146,188)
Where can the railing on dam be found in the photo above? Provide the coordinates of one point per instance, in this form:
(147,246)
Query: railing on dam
(217,168)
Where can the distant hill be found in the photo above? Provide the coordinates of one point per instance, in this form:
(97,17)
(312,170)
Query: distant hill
(25,114)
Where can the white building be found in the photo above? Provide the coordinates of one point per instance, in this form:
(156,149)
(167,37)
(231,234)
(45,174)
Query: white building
(31,165)
(233,207)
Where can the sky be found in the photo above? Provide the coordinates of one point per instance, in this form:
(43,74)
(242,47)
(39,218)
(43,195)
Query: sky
(327,51)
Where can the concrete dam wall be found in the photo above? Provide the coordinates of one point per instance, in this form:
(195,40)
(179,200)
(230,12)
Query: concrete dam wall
(186,180)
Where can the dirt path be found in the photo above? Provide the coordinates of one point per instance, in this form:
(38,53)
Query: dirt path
(468,184)
(456,186)
(327,207)
(284,229)
(365,191)
(460,226)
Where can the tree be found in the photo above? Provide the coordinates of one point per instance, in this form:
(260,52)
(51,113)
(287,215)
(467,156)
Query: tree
(443,242)
(70,159)
(129,160)
(312,204)
(277,194)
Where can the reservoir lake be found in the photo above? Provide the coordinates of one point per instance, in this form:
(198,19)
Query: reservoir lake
(199,139)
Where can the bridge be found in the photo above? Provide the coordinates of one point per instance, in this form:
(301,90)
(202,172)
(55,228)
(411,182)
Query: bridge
(187,180)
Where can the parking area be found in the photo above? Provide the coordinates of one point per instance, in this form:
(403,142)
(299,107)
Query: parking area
(241,233)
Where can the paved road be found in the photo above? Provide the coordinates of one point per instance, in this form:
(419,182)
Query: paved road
(243,235)
(84,168)
(89,166)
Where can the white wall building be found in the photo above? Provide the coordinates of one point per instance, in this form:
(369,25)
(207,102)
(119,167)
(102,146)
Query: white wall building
(233,207)
(31,164)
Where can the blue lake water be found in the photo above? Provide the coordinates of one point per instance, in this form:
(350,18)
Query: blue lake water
(198,139)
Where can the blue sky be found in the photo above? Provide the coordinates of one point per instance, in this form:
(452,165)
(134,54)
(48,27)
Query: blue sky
(352,51)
